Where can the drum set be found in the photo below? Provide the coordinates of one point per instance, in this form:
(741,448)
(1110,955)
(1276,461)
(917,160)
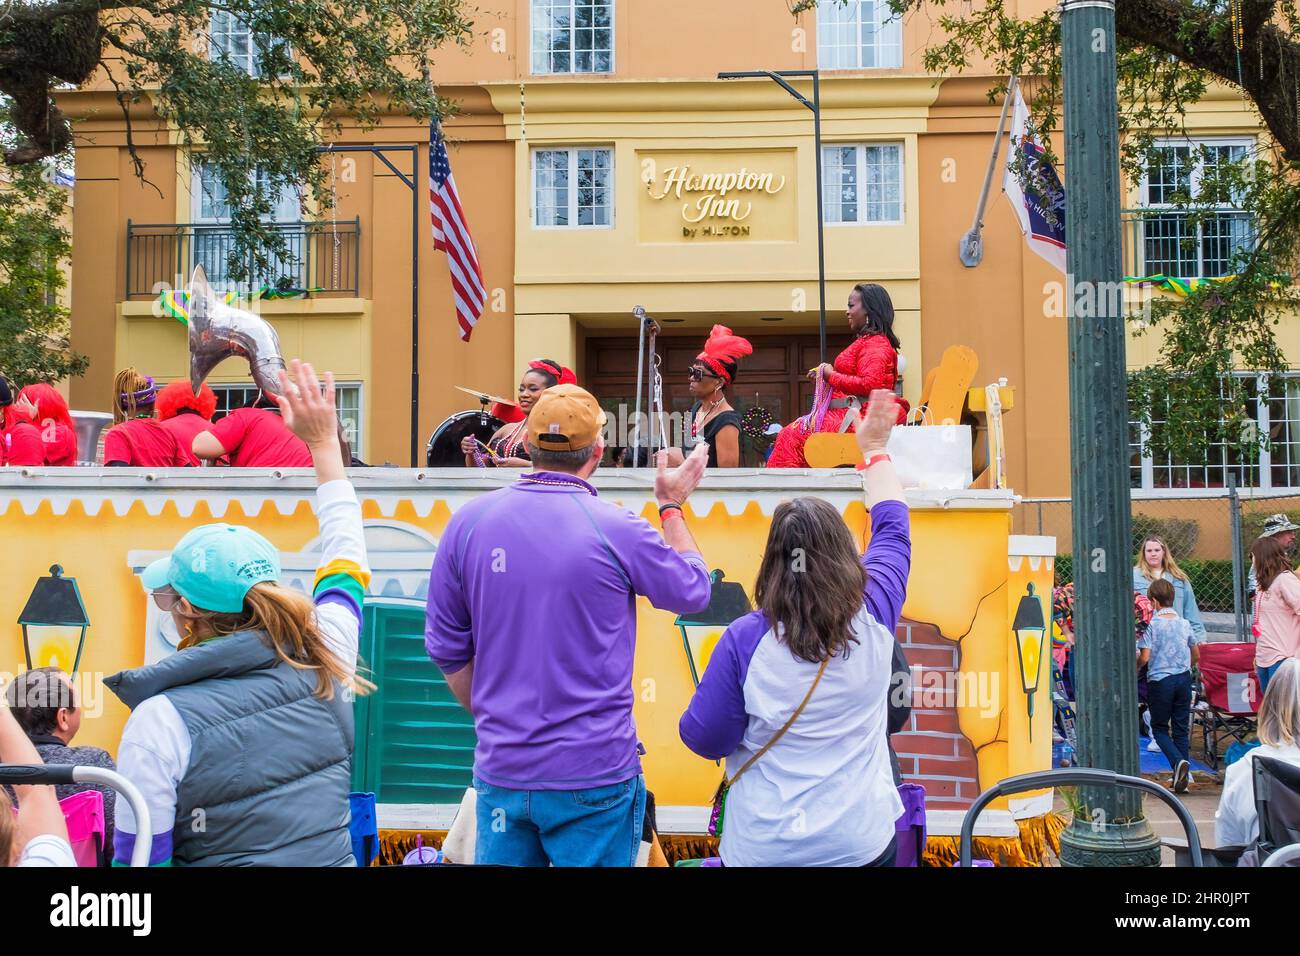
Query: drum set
(443,450)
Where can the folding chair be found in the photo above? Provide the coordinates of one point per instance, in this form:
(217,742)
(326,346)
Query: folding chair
(1277,803)
(56,774)
(84,814)
(1227,695)
(1073,777)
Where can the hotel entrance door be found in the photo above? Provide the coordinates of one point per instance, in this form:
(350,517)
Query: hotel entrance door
(775,376)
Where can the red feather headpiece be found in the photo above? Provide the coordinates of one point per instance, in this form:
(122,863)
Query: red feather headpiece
(178,395)
(722,351)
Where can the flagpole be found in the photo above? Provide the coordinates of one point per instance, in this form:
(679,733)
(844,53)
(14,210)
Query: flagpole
(971,247)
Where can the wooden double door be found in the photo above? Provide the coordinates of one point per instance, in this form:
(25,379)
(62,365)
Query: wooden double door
(775,376)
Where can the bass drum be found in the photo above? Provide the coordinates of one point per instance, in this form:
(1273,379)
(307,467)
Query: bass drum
(444,451)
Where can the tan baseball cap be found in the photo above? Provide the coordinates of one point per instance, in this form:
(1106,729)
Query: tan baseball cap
(565,418)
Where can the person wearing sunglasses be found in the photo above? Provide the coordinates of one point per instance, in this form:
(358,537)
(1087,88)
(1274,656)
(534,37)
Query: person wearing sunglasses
(242,740)
(713,420)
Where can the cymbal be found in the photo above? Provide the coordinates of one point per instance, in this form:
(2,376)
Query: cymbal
(485,397)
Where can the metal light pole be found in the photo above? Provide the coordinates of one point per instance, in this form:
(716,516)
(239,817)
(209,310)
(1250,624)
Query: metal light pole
(1115,832)
(815,105)
(410,183)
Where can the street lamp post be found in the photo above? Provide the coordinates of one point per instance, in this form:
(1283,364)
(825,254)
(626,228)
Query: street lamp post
(1115,832)
(815,105)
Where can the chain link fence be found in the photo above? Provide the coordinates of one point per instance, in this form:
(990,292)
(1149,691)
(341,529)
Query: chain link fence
(1199,530)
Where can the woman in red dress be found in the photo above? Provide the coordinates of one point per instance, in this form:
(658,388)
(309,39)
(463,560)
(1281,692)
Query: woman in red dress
(49,413)
(869,363)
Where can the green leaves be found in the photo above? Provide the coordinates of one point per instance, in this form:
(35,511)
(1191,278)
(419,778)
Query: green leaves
(255,85)
(34,246)
(1168,54)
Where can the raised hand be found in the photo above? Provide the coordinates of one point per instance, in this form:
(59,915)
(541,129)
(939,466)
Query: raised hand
(306,409)
(878,421)
(675,485)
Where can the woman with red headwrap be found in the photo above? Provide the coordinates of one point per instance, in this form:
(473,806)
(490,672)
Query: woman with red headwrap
(870,362)
(185,414)
(48,411)
(509,444)
(712,419)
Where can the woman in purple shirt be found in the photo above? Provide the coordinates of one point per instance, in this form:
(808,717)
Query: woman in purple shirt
(823,640)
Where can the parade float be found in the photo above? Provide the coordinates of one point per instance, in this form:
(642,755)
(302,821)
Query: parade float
(973,627)
(79,537)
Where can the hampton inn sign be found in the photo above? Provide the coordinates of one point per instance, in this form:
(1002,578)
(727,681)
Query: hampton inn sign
(711,198)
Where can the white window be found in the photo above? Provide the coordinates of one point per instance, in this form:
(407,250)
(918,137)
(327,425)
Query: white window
(233,42)
(573,188)
(210,202)
(213,241)
(347,397)
(1272,406)
(863,183)
(858,35)
(573,36)
(1173,243)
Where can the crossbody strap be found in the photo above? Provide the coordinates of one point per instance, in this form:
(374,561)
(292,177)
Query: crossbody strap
(788,724)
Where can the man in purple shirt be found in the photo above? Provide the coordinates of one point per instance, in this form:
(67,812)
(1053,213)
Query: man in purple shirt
(532,618)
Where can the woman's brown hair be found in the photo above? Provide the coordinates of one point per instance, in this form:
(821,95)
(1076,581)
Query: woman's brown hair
(811,579)
(125,385)
(1270,560)
(287,621)
(7,827)
(1161,593)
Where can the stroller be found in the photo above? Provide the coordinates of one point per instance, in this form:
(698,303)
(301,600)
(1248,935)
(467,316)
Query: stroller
(1073,776)
(55,774)
(1227,695)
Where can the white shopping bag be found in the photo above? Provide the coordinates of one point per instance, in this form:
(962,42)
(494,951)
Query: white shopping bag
(932,456)
(461,838)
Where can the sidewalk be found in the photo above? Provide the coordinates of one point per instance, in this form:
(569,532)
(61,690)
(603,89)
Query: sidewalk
(1201,800)
(1218,625)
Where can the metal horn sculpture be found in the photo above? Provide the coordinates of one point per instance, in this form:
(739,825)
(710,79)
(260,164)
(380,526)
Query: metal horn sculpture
(218,331)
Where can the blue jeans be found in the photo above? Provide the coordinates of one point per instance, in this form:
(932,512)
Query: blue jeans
(596,827)
(1170,701)
(1265,675)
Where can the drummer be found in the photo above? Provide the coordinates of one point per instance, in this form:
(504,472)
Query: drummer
(509,444)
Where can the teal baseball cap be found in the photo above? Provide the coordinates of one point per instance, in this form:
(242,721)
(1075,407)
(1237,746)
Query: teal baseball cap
(214,566)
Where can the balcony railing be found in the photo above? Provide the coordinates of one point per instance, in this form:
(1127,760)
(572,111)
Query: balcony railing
(1171,242)
(316,255)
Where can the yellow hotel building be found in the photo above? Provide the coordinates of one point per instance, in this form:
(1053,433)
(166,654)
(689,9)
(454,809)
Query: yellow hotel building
(602,165)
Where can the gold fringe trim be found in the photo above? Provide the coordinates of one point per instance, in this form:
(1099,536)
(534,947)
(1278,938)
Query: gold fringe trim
(1038,835)
(687,846)
(395,844)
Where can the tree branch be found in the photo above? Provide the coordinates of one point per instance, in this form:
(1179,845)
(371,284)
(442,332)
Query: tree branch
(1199,39)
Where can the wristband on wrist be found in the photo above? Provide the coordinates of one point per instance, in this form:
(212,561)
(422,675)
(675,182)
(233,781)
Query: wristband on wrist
(668,511)
(878,457)
(670,505)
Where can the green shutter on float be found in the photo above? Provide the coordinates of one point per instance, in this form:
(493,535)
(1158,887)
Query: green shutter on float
(414,742)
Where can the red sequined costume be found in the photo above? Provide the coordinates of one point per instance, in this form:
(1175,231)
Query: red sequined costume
(869,362)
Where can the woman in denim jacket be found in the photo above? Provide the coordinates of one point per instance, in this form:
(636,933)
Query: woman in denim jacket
(1153,563)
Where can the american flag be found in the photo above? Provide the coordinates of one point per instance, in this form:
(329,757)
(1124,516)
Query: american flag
(451,235)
